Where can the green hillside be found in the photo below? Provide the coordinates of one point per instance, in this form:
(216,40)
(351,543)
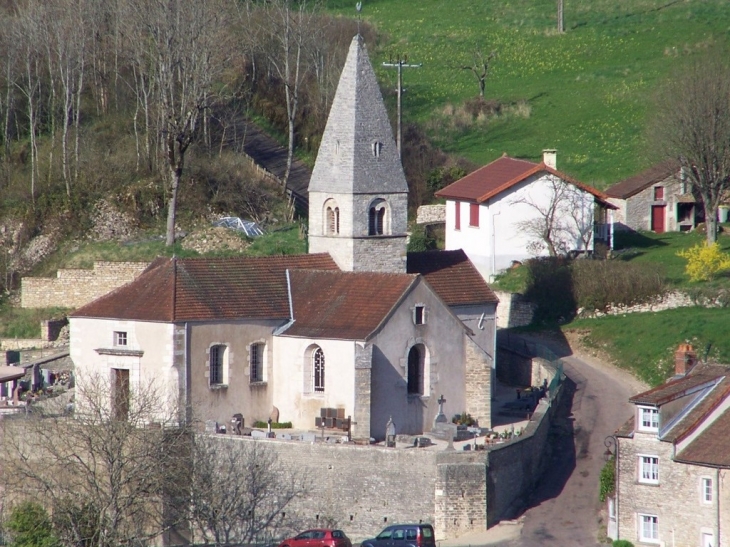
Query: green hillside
(586,92)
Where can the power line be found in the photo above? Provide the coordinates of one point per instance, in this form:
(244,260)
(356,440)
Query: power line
(400,63)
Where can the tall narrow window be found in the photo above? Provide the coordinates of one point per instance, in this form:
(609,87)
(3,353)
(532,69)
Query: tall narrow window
(457,215)
(649,469)
(318,370)
(648,528)
(419,317)
(474,215)
(658,193)
(706,489)
(216,370)
(415,371)
(120,394)
(330,220)
(256,362)
(377,218)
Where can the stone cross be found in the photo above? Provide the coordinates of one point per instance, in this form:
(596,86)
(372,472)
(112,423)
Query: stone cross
(440,417)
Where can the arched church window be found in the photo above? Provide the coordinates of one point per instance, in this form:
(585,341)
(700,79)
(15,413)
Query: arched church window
(377,147)
(415,370)
(377,218)
(318,370)
(332,220)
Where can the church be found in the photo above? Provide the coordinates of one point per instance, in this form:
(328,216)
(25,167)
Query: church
(358,325)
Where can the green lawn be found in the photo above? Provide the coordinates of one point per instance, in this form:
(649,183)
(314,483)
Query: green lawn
(586,92)
(644,343)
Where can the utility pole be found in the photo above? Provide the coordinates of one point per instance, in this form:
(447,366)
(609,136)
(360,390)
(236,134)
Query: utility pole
(400,64)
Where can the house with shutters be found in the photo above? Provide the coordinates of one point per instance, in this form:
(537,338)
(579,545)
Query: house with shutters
(657,199)
(500,213)
(358,324)
(672,460)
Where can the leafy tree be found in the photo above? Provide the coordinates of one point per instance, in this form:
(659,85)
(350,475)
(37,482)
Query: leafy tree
(30,526)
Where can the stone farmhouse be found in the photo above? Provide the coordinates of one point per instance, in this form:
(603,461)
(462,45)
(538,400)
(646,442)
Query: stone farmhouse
(657,199)
(358,325)
(496,213)
(672,461)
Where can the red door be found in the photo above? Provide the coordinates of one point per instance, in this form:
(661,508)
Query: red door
(657,218)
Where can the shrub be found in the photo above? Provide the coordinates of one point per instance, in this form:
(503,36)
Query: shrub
(30,526)
(704,261)
(274,425)
(463,419)
(622,543)
(597,284)
(420,240)
(607,480)
(550,287)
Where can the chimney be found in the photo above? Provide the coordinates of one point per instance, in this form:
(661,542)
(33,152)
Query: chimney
(684,359)
(550,157)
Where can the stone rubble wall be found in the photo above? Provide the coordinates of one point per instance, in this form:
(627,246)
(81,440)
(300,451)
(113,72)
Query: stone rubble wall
(513,310)
(431,214)
(668,301)
(72,288)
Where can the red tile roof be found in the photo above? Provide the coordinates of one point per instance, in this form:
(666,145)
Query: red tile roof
(500,175)
(712,446)
(452,276)
(700,376)
(202,289)
(344,305)
(635,184)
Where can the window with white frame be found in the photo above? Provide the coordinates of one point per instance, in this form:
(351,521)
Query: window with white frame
(217,369)
(706,490)
(419,314)
(648,528)
(256,362)
(649,469)
(120,338)
(648,418)
(318,370)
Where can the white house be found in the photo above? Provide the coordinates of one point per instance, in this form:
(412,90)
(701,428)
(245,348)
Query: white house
(358,325)
(511,210)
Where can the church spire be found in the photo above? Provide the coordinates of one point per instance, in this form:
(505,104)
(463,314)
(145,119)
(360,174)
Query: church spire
(358,194)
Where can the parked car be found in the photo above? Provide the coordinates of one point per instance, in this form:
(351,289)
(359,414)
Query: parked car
(318,538)
(403,535)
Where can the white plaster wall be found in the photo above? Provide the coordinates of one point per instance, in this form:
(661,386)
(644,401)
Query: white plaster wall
(153,369)
(499,239)
(288,379)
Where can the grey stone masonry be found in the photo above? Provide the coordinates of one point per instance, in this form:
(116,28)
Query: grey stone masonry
(478,383)
(363,391)
(358,169)
(358,153)
(676,499)
(431,214)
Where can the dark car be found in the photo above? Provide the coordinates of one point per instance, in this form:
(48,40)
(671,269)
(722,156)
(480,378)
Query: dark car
(318,538)
(403,535)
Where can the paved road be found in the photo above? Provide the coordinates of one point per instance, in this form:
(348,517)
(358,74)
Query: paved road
(564,510)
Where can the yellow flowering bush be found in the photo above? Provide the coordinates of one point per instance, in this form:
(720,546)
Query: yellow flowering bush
(704,261)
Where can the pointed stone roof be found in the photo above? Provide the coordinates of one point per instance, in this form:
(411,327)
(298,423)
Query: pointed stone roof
(358,153)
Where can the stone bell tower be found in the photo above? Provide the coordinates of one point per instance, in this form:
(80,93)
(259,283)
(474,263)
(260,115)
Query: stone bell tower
(358,195)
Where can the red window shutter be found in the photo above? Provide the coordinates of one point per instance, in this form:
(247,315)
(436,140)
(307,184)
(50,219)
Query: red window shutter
(474,215)
(658,193)
(457,218)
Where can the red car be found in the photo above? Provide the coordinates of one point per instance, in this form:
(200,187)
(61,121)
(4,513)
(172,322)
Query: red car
(318,538)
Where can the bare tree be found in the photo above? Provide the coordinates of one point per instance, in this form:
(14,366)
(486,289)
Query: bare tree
(105,472)
(180,43)
(288,30)
(692,124)
(562,222)
(239,492)
(480,66)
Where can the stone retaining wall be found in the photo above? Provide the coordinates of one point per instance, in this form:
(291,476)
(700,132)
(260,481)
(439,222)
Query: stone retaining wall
(431,214)
(513,310)
(72,288)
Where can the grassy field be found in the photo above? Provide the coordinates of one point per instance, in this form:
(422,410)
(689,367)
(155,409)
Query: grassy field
(644,343)
(586,92)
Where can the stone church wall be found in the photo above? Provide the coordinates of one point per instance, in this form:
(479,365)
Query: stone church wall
(72,288)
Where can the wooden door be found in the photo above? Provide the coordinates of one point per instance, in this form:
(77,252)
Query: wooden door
(657,218)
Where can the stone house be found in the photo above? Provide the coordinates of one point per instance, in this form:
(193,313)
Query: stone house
(495,214)
(358,325)
(672,461)
(657,199)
